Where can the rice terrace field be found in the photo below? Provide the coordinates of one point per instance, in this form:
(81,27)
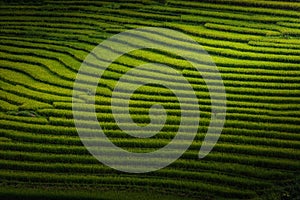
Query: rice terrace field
(255,45)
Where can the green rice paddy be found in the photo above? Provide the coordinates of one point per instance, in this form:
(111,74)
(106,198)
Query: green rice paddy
(254,43)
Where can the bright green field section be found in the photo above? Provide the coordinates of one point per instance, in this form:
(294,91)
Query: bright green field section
(256,47)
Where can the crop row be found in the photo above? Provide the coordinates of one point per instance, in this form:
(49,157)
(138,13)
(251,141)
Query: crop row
(227,168)
(210,13)
(118,180)
(34,85)
(26,117)
(94,6)
(70,31)
(273,137)
(146,95)
(36,25)
(227,78)
(231,143)
(63,145)
(234,7)
(274,44)
(200,32)
(230,28)
(173,109)
(77,50)
(211,34)
(247,63)
(38,128)
(42,64)
(280,5)
(78,16)
(42,34)
(267,126)
(28,82)
(270,57)
(101,99)
(232,157)
(219,51)
(188,159)
(252,138)
(77,55)
(23,103)
(233,91)
(26,191)
(282,40)
(255,161)
(32,94)
(170,174)
(45,58)
(36,72)
(253,56)
(287,24)
(204,106)
(6,106)
(66,22)
(228,136)
(220,61)
(206,101)
(290,32)
(141,115)
(230,24)
(245,47)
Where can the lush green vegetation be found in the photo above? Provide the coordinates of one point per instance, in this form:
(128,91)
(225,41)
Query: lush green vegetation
(256,47)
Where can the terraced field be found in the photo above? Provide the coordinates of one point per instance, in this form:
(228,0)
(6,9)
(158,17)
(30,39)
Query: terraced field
(255,45)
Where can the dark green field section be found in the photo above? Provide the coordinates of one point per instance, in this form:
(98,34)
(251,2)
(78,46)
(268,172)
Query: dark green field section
(256,46)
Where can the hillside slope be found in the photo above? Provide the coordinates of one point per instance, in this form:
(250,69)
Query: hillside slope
(256,47)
